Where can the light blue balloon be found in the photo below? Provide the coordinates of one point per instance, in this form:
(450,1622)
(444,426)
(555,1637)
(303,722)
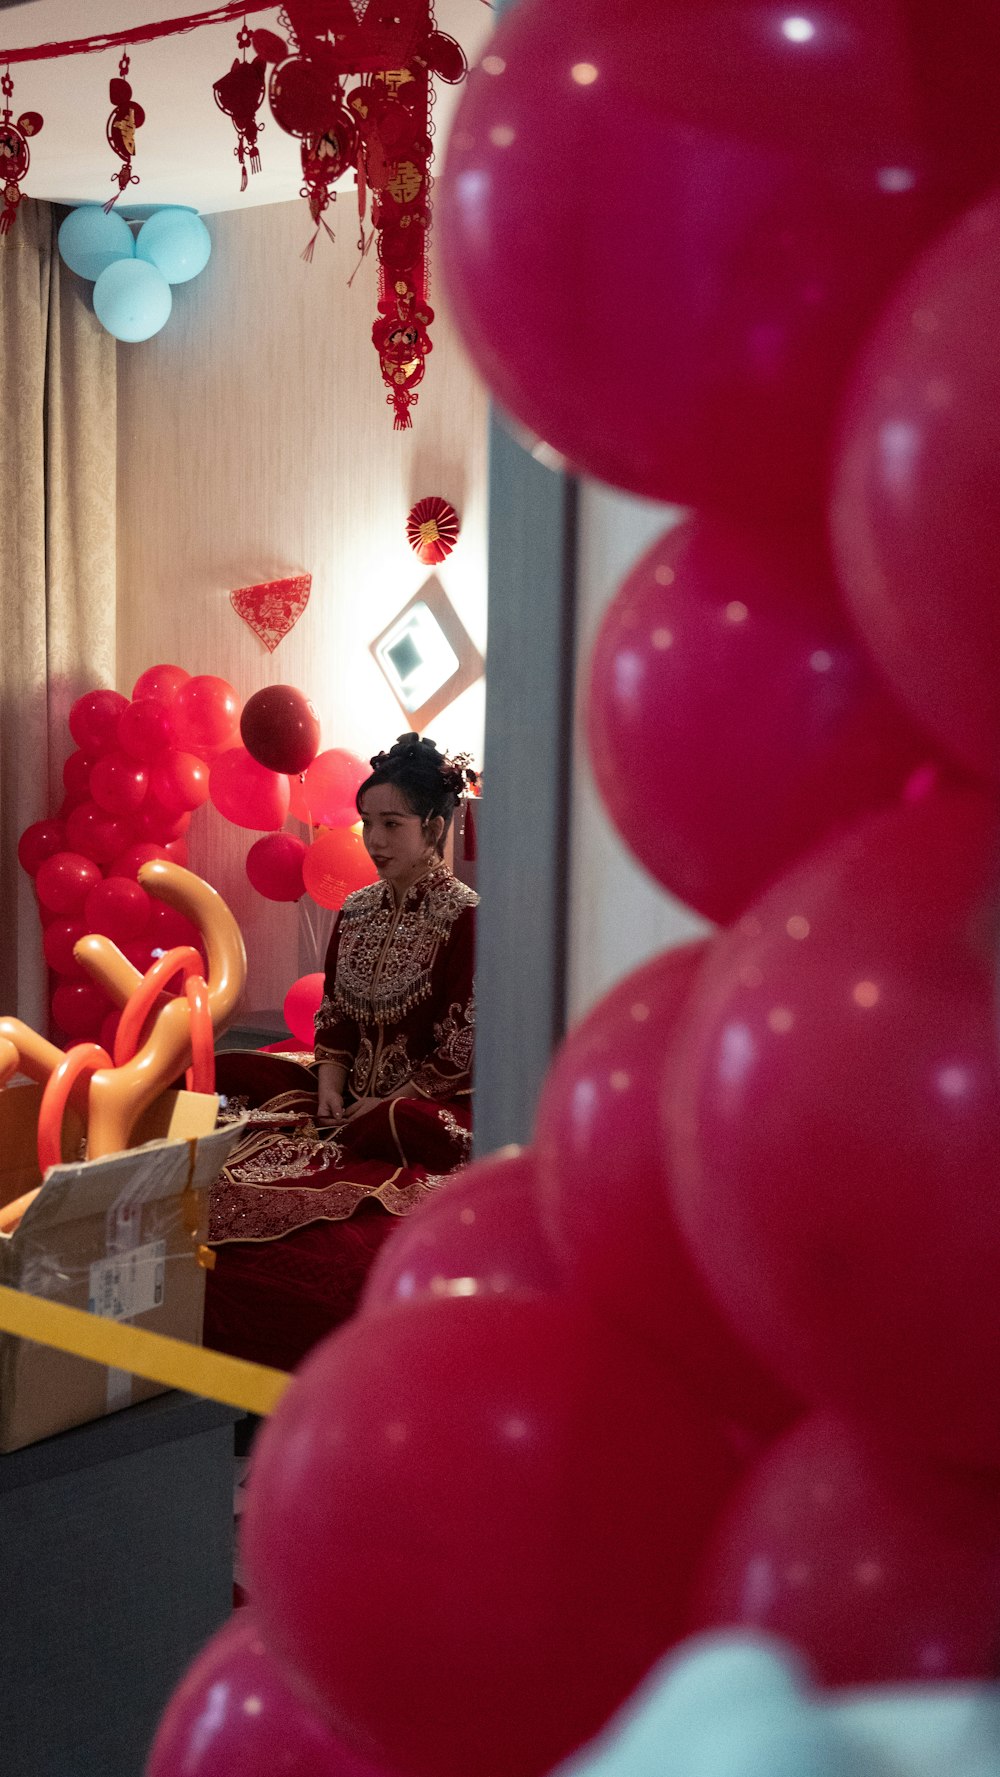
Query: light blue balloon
(132,299)
(177,242)
(90,241)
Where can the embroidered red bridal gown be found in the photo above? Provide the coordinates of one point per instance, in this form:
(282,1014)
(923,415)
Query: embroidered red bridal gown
(301,1208)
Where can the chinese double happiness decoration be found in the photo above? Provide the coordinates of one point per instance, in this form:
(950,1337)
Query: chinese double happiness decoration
(15,155)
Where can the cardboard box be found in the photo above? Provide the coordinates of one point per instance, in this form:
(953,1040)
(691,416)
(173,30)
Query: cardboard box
(118,1236)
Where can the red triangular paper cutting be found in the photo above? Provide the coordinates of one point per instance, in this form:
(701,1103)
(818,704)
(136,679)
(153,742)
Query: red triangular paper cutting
(273,608)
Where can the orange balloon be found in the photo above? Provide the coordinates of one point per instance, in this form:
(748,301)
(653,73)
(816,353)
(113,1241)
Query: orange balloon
(335,865)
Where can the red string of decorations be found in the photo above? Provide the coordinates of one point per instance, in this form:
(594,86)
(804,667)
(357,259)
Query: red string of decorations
(126,117)
(87,46)
(15,155)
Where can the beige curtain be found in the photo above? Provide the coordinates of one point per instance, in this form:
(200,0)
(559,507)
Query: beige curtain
(57,554)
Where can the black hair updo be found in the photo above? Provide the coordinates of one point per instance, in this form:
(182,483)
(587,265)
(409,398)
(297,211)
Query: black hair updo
(430,783)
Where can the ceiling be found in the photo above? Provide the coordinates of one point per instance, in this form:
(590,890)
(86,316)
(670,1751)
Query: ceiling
(184,150)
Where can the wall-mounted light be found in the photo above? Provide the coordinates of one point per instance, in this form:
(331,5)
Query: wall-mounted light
(427,655)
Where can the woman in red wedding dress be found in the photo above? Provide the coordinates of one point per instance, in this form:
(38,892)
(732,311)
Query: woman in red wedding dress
(338,1148)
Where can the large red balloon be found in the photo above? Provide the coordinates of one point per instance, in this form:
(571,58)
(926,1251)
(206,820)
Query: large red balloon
(79,1008)
(326,797)
(917,491)
(179,781)
(513,1493)
(247,793)
(76,774)
(38,842)
(145,730)
(236,1714)
(94,718)
(161,825)
(91,830)
(130,862)
(205,712)
(602,1171)
(118,908)
(280,729)
(879,1571)
(160,681)
(834,1120)
(335,865)
(118,783)
(58,941)
(274,866)
(479,1235)
(732,720)
(63,879)
(656,261)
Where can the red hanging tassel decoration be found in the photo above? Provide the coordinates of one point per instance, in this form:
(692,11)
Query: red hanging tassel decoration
(240,93)
(325,158)
(15,156)
(126,117)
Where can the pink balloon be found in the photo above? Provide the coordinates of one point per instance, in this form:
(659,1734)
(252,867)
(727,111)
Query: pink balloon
(604,1190)
(118,783)
(179,781)
(205,712)
(58,941)
(145,730)
(917,488)
(91,830)
(878,1570)
(161,682)
(834,1123)
(38,842)
(679,322)
(302,1002)
(94,718)
(236,1714)
(274,866)
(326,796)
(556,1486)
(732,720)
(247,793)
(118,908)
(479,1235)
(63,879)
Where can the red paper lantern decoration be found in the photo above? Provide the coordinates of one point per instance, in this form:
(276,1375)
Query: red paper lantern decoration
(15,156)
(432,529)
(126,117)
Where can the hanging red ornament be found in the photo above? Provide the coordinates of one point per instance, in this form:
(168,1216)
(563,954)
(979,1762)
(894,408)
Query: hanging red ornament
(240,93)
(126,117)
(273,608)
(402,339)
(325,159)
(15,156)
(432,529)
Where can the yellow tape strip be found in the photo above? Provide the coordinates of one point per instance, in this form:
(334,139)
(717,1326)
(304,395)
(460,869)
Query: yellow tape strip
(175,1363)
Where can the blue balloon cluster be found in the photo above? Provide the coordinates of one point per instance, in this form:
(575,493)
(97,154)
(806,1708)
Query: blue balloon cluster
(132,276)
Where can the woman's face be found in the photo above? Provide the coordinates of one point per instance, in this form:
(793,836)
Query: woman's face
(395,838)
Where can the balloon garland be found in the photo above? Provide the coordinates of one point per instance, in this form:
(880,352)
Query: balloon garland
(142,768)
(759,1385)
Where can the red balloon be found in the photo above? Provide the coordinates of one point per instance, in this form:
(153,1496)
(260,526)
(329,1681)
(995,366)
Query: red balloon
(167,929)
(130,862)
(38,842)
(118,783)
(177,851)
(145,730)
(302,1002)
(161,682)
(731,718)
(247,793)
(683,347)
(79,1007)
(604,1190)
(179,781)
(335,865)
(274,866)
(76,775)
(834,1121)
(63,880)
(917,487)
(326,798)
(205,712)
(118,908)
(96,833)
(154,821)
(880,1571)
(479,1235)
(59,937)
(236,1714)
(94,718)
(553,1524)
(280,729)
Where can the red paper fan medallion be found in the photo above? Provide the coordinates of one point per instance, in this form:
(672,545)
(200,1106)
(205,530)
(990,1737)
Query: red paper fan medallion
(432,529)
(273,608)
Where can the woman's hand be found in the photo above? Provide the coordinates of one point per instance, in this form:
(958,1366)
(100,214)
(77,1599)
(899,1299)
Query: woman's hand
(360,1107)
(330,1082)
